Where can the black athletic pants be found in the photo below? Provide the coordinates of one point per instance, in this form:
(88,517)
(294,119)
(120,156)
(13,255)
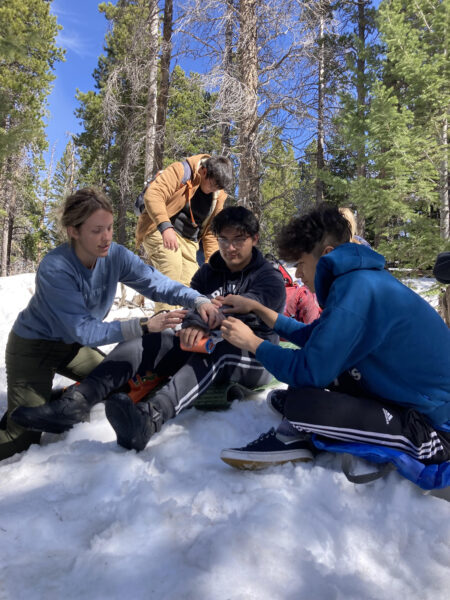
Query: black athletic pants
(346,413)
(190,373)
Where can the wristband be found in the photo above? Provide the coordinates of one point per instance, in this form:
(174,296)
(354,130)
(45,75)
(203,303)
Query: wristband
(144,326)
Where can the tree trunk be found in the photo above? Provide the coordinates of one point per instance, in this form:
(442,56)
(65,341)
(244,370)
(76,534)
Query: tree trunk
(444,305)
(8,221)
(5,233)
(443,183)
(8,228)
(443,172)
(163,96)
(320,161)
(71,182)
(151,107)
(228,72)
(361,85)
(249,193)
(44,204)
(11,221)
(126,165)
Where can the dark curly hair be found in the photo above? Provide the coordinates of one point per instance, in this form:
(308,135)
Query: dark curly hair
(238,217)
(312,232)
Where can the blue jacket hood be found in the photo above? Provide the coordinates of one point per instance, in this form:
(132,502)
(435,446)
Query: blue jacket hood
(342,260)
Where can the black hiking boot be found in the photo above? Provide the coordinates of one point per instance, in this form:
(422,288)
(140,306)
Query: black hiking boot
(3,421)
(56,416)
(134,424)
(19,444)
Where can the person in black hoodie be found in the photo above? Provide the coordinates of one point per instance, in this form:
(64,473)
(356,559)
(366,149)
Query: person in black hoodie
(238,267)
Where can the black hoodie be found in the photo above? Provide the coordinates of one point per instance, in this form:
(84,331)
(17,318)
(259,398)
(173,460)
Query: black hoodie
(258,280)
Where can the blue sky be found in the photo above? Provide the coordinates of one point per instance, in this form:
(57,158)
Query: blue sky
(82,37)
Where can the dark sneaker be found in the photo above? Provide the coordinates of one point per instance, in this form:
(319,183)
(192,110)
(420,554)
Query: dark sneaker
(134,424)
(276,400)
(56,416)
(269,450)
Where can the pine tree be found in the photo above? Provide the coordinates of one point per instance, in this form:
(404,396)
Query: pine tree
(280,191)
(29,53)
(262,63)
(418,70)
(64,181)
(396,150)
(189,129)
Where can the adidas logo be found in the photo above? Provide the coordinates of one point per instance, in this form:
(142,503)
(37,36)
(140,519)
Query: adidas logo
(387,416)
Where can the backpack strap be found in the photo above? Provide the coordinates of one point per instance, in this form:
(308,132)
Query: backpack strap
(381,471)
(187,172)
(139,205)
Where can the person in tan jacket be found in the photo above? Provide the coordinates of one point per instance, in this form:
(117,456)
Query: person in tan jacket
(179,206)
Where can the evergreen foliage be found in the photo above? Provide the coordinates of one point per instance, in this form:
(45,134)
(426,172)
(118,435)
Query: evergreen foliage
(398,193)
(28,53)
(280,191)
(65,181)
(190,126)
(343,99)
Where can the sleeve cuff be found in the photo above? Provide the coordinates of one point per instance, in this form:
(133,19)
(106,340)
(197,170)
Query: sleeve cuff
(131,329)
(200,300)
(164,225)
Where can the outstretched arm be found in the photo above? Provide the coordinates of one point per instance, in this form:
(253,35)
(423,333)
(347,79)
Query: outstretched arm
(239,334)
(165,320)
(242,305)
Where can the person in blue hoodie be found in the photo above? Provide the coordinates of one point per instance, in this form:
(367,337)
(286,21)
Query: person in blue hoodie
(63,323)
(373,370)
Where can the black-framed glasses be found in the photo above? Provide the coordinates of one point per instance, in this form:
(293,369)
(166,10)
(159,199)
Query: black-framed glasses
(237,242)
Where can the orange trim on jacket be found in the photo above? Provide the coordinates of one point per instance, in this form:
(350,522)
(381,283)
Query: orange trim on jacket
(165,197)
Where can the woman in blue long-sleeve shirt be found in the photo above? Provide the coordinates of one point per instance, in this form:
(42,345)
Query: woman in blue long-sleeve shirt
(63,323)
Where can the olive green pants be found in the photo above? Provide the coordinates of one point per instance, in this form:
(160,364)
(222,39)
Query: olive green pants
(30,368)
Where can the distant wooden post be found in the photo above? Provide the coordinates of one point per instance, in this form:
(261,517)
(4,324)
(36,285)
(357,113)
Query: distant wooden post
(444,305)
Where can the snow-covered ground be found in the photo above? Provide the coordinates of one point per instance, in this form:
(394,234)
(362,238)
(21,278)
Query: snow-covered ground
(81,518)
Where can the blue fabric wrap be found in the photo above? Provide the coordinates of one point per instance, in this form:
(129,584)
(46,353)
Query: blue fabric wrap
(427,477)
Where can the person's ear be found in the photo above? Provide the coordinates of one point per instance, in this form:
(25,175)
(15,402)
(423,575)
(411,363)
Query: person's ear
(202,171)
(72,232)
(327,250)
(255,239)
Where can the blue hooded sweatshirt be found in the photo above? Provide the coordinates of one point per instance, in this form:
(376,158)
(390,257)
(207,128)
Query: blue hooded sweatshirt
(375,324)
